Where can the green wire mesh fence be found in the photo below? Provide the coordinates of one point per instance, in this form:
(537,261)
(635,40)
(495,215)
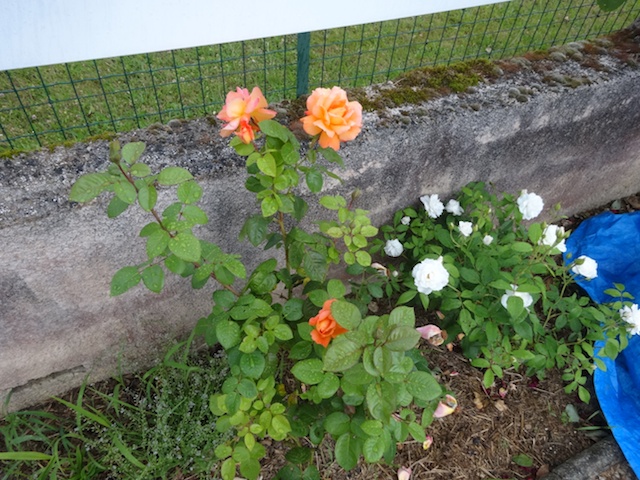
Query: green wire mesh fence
(69,102)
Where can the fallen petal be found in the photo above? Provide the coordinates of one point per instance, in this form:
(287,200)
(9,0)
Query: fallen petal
(446,407)
(432,334)
(404,473)
(427,443)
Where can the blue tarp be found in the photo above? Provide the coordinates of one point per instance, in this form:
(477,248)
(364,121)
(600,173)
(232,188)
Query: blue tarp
(613,241)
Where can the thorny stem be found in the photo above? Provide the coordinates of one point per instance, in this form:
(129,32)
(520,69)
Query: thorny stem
(159,220)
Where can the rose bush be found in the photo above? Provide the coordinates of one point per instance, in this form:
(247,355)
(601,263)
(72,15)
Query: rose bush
(358,378)
(499,289)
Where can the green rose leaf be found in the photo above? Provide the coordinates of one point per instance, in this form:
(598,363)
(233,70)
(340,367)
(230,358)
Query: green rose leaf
(283,332)
(337,423)
(346,314)
(279,428)
(185,246)
(125,191)
(309,371)
(315,265)
(255,228)
(423,386)
(195,214)
(228,333)
(363,258)
(157,243)
(250,469)
(174,176)
(228,469)
(274,129)
(332,156)
(269,206)
(402,316)
(252,364)
(89,186)
(131,152)
(347,451)
(116,207)
(373,449)
(153,278)
(292,310)
(341,355)
(328,386)
(247,388)
(336,289)
(147,197)
(189,192)
(299,455)
(267,165)
(124,279)
(314,180)
(402,338)
(140,170)
(381,400)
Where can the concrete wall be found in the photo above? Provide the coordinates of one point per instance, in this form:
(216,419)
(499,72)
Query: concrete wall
(528,129)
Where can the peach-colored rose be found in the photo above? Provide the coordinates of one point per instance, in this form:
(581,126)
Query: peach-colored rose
(326,326)
(243,110)
(330,114)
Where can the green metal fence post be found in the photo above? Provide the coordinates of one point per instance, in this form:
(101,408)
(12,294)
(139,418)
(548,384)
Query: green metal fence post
(302,76)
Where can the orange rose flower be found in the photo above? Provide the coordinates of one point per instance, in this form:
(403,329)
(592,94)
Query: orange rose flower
(326,326)
(243,111)
(330,114)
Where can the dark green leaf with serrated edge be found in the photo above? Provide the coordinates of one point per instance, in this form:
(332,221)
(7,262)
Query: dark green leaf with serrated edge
(247,388)
(269,206)
(89,186)
(131,152)
(300,350)
(189,192)
(315,265)
(236,267)
(373,449)
(116,207)
(124,279)
(299,455)
(147,197)
(328,386)
(153,278)
(402,338)
(149,228)
(255,228)
(173,176)
(125,191)
(336,289)
(157,243)
(186,247)
(292,309)
(341,355)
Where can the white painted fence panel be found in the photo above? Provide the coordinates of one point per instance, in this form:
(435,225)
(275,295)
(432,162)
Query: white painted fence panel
(44,32)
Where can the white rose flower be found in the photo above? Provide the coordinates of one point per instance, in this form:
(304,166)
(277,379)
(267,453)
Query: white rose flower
(432,205)
(631,315)
(453,206)
(487,239)
(430,276)
(551,235)
(466,228)
(585,266)
(405,220)
(530,205)
(527,299)
(393,248)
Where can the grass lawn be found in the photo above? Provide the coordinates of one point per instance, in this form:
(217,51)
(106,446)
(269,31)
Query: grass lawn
(71,102)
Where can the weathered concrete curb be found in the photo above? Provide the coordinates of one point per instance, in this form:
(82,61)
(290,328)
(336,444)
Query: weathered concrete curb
(578,146)
(602,461)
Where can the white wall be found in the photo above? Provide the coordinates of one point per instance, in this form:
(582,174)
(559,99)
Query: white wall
(44,32)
